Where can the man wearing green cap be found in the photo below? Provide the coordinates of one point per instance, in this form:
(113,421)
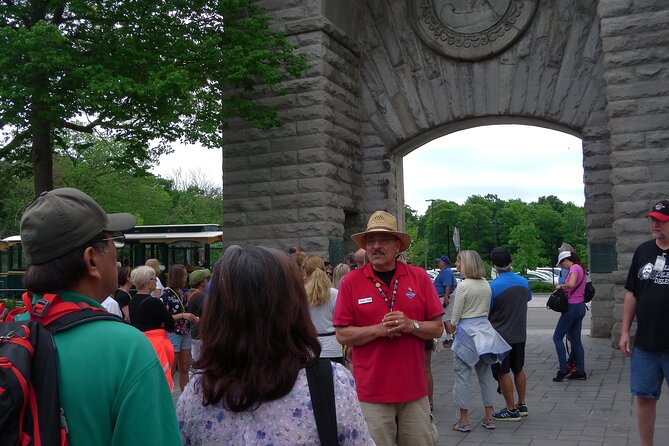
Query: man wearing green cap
(112,388)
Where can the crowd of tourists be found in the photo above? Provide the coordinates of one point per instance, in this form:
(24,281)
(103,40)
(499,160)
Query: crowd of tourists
(276,347)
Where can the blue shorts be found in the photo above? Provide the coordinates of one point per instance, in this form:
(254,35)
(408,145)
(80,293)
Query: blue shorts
(647,371)
(180,342)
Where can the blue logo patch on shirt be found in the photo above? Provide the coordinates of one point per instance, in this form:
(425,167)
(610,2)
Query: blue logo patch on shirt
(411,294)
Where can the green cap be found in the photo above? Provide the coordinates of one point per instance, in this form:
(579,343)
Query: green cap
(198,276)
(62,220)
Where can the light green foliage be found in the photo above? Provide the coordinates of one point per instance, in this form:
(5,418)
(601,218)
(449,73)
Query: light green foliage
(151,199)
(134,72)
(525,241)
(92,168)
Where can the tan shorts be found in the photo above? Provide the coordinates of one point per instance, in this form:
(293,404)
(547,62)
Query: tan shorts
(401,424)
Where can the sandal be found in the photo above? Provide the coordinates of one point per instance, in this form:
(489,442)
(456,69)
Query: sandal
(488,424)
(462,427)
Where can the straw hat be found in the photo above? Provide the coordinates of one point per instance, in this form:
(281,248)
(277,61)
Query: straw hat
(382,222)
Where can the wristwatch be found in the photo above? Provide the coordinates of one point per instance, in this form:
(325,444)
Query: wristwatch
(416,325)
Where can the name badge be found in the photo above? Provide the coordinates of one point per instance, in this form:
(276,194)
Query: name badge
(659,263)
(365,300)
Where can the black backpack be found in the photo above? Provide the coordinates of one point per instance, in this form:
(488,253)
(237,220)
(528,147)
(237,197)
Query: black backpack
(30,411)
(589,291)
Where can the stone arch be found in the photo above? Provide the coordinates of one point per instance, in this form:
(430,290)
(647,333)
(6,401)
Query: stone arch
(415,143)
(376,87)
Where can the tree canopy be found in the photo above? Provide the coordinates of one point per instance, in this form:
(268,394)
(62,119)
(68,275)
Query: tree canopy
(153,200)
(532,232)
(141,73)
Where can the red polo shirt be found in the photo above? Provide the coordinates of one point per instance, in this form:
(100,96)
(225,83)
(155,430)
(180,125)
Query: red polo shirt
(388,370)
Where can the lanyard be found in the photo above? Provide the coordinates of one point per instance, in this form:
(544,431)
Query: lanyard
(383,294)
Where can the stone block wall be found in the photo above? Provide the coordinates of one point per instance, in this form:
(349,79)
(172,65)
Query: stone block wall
(297,185)
(375,91)
(635,42)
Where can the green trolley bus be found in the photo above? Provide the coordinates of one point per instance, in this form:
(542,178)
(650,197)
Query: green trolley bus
(192,245)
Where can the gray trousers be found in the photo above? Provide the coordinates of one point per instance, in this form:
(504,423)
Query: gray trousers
(461,385)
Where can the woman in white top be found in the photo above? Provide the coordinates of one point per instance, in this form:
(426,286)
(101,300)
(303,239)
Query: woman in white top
(322,298)
(476,344)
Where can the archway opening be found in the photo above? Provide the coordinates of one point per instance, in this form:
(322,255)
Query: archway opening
(514,186)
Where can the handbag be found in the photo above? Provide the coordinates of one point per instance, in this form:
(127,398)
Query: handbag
(558,301)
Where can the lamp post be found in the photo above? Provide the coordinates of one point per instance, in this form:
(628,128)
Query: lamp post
(434,229)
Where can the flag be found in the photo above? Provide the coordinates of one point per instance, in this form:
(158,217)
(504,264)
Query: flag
(456,239)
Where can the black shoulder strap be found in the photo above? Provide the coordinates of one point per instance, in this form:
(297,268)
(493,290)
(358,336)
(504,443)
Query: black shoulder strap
(83,316)
(321,387)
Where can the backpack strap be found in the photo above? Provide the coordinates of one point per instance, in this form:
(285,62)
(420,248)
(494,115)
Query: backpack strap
(79,317)
(58,315)
(321,388)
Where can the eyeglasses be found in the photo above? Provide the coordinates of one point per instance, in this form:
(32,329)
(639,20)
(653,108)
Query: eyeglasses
(119,240)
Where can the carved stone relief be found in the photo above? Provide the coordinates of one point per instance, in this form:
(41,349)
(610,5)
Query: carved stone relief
(471,30)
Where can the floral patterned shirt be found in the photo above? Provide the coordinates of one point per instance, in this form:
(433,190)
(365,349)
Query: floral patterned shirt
(285,421)
(176,302)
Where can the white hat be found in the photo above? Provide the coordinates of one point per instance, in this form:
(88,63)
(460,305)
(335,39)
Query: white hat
(563,255)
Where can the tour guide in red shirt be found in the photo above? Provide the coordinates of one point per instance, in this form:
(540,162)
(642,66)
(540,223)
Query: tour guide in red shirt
(386,310)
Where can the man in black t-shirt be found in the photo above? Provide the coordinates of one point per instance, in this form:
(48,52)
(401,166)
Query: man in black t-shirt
(647,298)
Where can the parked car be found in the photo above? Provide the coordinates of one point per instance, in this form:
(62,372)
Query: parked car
(553,270)
(537,276)
(433,273)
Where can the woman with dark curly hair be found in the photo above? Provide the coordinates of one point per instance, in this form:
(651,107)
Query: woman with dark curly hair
(257,339)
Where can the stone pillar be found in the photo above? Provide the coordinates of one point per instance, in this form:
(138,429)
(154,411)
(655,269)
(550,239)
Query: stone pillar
(635,45)
(299,184)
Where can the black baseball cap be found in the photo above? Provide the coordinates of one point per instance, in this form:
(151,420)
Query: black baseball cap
(500,258)
(62,220)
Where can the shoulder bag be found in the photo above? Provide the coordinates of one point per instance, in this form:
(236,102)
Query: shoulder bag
(558,301)
(321,388)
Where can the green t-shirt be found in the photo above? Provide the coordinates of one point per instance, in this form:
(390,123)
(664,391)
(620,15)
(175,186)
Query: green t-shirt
(112,388)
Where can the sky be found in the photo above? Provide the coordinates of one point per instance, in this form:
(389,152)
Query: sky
(190,158)
(510,161)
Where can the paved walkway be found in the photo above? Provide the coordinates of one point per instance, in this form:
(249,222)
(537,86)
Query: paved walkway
(598,411)
(595,412)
